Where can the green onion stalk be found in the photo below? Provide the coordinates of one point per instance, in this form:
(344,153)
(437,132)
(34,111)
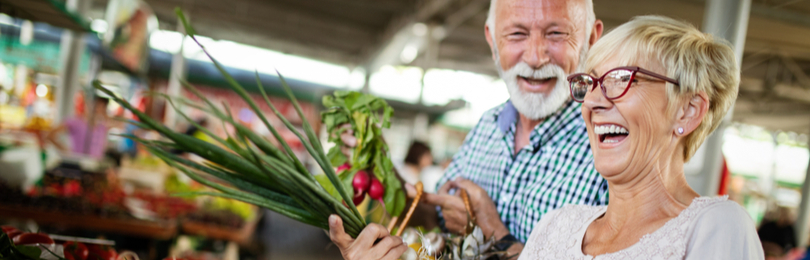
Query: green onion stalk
(246,166)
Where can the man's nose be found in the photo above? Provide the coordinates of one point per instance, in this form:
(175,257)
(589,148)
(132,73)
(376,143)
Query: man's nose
(536,53)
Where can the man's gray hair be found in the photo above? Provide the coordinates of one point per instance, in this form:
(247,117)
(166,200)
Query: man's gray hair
(591,18)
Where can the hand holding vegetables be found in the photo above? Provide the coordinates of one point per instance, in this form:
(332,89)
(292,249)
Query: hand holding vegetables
(374,242)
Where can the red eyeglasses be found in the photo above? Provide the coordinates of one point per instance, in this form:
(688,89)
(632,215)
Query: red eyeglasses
(614,83)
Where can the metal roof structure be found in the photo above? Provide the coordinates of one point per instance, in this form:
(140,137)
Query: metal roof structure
(775,88)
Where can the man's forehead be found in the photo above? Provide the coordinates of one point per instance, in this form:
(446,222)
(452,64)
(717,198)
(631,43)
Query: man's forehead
(541,9)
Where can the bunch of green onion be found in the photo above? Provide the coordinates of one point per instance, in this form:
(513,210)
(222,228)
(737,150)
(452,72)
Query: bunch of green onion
(246,166)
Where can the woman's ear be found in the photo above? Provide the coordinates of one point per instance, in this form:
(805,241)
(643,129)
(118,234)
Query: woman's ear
(691,113)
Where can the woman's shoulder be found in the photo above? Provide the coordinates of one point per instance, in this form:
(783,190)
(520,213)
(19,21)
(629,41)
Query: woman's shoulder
(722,229)
(720,210)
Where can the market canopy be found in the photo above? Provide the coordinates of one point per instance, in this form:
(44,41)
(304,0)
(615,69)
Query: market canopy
(52,12)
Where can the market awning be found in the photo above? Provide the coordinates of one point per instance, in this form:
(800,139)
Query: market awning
(53,12)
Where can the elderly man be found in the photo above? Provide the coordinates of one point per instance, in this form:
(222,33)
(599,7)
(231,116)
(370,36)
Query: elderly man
(528,156)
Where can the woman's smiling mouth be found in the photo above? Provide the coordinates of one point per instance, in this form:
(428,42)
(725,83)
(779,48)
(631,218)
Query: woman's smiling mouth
(610,133)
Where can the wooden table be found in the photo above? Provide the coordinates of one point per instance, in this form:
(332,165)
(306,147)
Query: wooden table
(161,230)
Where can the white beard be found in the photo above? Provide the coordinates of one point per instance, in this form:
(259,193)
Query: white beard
(536,105)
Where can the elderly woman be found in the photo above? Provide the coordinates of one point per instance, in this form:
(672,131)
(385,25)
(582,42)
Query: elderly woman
(655,88)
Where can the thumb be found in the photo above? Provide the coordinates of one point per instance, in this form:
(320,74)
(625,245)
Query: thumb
(337,233)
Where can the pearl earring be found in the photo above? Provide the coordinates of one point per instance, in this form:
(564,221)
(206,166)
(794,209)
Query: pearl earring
(680,130)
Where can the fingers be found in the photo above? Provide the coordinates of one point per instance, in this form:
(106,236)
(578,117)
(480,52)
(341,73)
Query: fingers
(348,138)
(386,245)
(445,189)
(441,200)
(370,234)
(337,233)
(410,190)
(395,252)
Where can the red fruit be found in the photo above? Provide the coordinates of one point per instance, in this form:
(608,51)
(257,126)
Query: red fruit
(376,191)
(359,198)
(101,252)
(14,233)
(361,182)
(32,238)
(8,228)
(76,251)
(343,167)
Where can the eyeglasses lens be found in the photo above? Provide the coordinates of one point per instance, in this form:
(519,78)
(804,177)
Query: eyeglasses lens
(616,82)
(580,86)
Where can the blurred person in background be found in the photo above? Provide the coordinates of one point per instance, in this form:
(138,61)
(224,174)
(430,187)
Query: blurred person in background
(87,133)
(527,156)
(417,160)
(777,234)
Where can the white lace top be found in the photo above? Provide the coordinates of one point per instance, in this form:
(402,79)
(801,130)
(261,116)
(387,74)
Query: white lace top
(710,228)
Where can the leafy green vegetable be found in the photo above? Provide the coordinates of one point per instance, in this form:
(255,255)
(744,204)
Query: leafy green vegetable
(367,115)
(247,167)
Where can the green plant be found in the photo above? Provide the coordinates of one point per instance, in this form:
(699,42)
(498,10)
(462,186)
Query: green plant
(247,167)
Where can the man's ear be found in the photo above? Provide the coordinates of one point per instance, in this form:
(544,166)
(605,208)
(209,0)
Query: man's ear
(488,35)
(596,33)
(692,113)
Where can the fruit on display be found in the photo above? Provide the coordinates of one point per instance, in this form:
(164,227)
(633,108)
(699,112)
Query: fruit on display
(32,238)
(101,252)
(76,251)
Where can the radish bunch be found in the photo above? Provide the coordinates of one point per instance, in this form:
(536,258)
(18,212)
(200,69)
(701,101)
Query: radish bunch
(363,184)
(368,170)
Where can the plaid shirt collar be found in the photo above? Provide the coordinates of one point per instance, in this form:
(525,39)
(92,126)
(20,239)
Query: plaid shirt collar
(508,117)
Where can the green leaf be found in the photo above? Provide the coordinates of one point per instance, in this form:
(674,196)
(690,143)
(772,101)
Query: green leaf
(346,179)
(327,185)
(363,100)
(394,197)
(387,114)
(336,156)
(30,251)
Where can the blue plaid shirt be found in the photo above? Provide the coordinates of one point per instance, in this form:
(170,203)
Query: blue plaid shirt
(555,169)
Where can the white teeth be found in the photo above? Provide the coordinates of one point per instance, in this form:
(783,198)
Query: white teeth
(610,129)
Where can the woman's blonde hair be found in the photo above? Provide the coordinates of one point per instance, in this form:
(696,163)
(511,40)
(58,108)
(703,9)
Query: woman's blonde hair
(699,61)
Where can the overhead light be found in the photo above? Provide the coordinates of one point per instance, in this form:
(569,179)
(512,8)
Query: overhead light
(408,54)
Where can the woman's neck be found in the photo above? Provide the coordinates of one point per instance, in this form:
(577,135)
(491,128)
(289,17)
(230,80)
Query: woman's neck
(662,193)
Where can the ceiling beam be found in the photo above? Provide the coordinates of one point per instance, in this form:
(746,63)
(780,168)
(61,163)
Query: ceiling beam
(398,32)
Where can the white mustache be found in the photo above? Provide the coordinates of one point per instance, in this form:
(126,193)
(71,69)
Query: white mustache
(524,70)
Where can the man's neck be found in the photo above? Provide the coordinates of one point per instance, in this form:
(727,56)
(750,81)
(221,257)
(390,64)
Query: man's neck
(523,134)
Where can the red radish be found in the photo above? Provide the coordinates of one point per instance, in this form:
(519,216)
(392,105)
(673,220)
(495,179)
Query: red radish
(376,191)
(359,198)
(343,167)
(361,183)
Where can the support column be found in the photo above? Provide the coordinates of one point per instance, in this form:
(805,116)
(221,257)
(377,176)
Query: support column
(71,48)
(176,74)
(803,218)
(727,19)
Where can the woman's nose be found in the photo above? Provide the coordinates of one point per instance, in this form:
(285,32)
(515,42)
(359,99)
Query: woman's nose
(595,100)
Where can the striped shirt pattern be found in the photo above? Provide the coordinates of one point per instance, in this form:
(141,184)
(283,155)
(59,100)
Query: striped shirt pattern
(555,169)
